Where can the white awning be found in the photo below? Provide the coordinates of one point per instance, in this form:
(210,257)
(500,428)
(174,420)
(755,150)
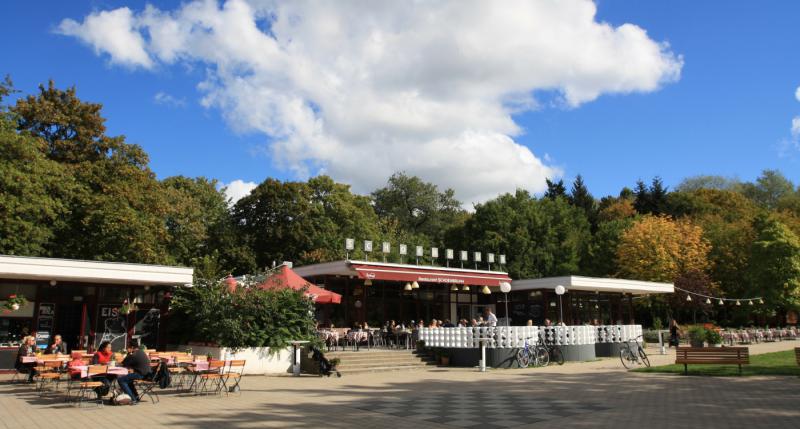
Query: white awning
(593,284)
(29,268)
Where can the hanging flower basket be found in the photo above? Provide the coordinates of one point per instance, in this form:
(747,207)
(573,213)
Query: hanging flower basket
(15,302)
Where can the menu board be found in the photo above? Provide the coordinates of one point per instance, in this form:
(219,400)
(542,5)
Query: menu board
(44,324)
(111,326)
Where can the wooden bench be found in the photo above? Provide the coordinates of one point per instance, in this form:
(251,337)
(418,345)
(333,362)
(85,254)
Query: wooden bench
(797,354)
(712,355)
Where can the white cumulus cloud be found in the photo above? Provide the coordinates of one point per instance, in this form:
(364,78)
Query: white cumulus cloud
(797,94)
(360,90)
(237,189)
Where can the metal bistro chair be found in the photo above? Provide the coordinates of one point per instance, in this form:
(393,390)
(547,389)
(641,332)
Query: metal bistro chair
(233,374)
(211,380)
(88,384)
(145,386)
(48,373)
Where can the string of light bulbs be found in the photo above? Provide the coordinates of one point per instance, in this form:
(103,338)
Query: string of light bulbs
(720,300)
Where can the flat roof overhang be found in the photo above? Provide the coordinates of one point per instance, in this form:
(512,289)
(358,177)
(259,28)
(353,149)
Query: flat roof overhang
(405,273)
(593,284)
(72,270)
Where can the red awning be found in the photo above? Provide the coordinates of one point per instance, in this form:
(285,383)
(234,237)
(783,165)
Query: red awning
(284,277)
(409,273)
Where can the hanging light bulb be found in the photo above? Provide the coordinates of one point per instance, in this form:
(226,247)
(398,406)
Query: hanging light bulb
(454,288)
(407,288)
(721,302)
(415,285)
(750,302)
(760,301)
(708,300)
(596,307)
(486,290)
(688,298)
(552,303)
(465,288)
(738,303)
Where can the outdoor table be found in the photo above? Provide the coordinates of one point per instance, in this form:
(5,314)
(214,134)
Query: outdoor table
(39,360)
(112,370)
(296,345)
(357,337)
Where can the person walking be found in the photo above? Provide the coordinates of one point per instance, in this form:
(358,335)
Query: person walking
(674,333)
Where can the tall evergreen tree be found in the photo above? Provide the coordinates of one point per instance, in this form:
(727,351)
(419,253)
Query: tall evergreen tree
(581,198)
(555,189)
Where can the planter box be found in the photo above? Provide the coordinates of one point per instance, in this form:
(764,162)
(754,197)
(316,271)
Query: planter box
(259,360)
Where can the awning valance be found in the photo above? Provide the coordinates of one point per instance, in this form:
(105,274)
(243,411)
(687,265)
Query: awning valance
(409,273)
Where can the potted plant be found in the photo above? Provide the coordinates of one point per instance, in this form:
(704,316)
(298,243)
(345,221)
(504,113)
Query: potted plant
(126,308)
(697,336)
(713,338)
(444,357)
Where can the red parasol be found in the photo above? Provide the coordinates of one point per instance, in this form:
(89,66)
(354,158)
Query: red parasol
(285,277)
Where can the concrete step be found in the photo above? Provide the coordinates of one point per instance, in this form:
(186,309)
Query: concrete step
(384,369)
(379,360)
(383,363)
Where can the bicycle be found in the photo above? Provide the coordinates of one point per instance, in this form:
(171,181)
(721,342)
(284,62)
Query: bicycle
(554,353)
(535,352)
(629,356)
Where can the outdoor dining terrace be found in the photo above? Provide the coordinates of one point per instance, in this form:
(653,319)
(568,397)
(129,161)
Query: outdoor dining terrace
(75,379)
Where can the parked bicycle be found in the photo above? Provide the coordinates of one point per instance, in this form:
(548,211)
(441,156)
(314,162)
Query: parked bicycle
(553,352)
(531,353)
(631,355)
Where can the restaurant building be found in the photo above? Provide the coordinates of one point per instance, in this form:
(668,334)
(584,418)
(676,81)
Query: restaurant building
(81,301)
(374,292)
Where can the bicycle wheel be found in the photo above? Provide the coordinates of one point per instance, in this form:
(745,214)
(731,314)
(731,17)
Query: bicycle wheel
(541,356)
(624,356)
(523,358)
(556,356)
(643,357)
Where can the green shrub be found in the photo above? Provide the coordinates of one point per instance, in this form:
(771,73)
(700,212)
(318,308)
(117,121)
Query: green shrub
(698,334)
(657,323)
(248,317)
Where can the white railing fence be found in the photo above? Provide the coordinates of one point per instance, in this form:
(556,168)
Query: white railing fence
(515,336)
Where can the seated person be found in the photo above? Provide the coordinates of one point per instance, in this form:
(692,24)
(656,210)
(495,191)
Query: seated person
(28,348)
(58,346)
(139,363)
(103,355)
(75,373)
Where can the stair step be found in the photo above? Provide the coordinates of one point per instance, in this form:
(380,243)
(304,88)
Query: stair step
(383,369)
(344,365)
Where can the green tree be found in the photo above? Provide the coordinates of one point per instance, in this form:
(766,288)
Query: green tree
(601,260)
(769,188)
(417,206)
(540,237)
(116,209)
(580,197)
(555,189)
(697,183)
(32,204)
(775,265)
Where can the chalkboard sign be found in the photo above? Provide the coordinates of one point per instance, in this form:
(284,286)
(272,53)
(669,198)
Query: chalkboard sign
(111,326)
(44,324)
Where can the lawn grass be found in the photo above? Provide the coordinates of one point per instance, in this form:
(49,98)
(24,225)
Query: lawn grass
(777,363)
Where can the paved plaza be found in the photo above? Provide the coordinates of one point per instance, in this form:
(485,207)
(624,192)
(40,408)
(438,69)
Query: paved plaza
(576,395)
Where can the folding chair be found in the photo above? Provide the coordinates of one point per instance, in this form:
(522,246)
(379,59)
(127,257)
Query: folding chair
(179,371)
(145,386)
(211,377)
(48,373)
(233,374)
(89,383)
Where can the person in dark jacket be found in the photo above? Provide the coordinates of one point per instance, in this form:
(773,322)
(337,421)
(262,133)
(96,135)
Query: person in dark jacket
(58,346)
(28,348)
(138,362)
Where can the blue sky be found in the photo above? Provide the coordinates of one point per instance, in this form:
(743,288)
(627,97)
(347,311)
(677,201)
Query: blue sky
(727,114)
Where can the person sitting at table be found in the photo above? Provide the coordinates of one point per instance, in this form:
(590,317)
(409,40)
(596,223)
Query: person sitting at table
(28,348)
(473,323)
(58,346)
(72,366)
(447,324)
(103,355)
(139,363)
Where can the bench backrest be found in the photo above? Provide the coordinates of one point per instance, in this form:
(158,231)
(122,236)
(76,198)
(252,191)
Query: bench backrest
(797,354)
(712,355)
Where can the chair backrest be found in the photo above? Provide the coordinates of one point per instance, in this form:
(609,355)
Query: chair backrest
(215,364)
(237,364)
(53,364)
(183,359)
(86,360)
(200,358)
(97,369)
